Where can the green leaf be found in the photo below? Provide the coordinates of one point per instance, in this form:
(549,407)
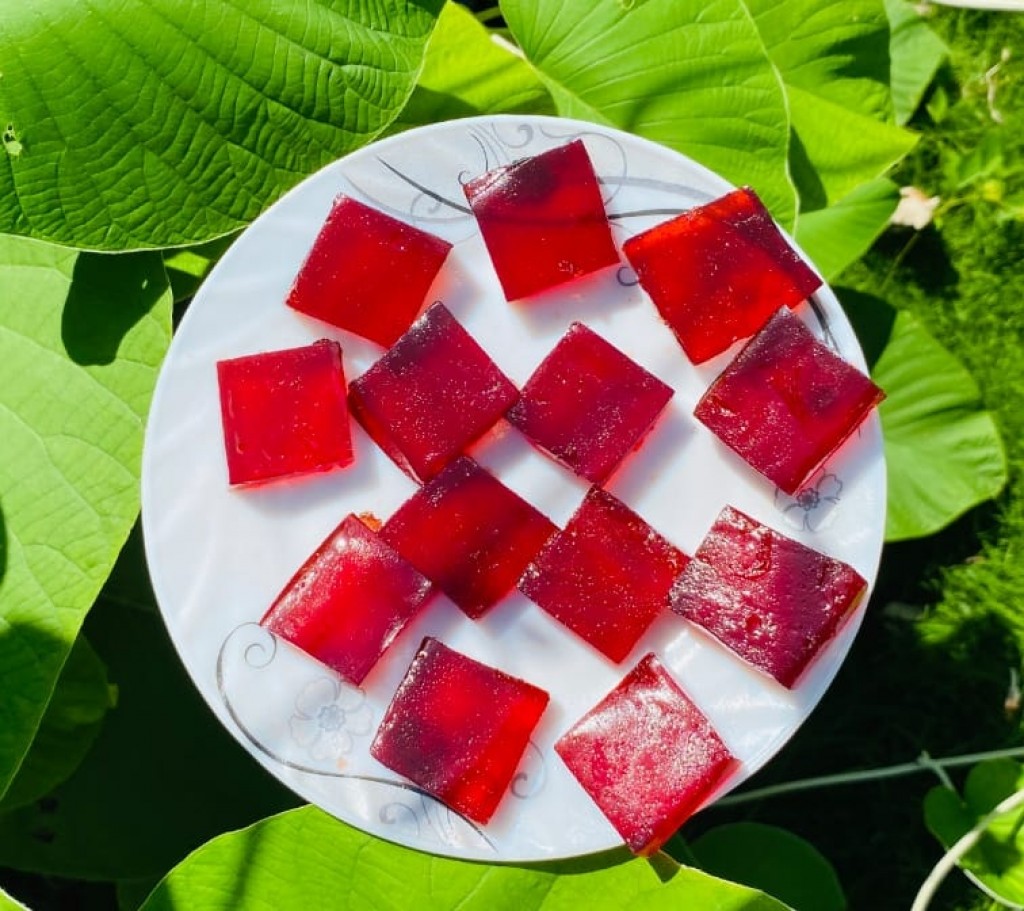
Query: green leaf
(305,859)
(83,336)
(164,124)
(467,72)
(917,53)
(846,148)
(186,268)
(942,448)
(690,74)
(9,904)
(72,720)
(162,777)
(772,860)
(838,236)
(833,59)
(997,861)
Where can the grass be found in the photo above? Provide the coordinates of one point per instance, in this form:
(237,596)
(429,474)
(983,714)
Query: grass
(931,668)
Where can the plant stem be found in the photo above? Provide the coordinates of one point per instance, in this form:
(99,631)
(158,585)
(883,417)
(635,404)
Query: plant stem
(953,856)
(489,14)
(924,763)
(1009,6)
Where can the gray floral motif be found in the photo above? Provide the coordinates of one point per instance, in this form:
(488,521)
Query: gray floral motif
(808,509)
(328,714)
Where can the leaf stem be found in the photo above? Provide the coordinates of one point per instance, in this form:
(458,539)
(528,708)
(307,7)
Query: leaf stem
(924,763)
(955,854)
(489,14)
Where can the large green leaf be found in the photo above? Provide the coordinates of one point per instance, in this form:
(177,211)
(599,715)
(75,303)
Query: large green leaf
(773,860)
(997,861)
(917,52)
(467,72)
(692,74)
(161,123)
(833,59)
(942,448)
(162,777)
(83,336)
(70,724)
(837,236)
(305,859)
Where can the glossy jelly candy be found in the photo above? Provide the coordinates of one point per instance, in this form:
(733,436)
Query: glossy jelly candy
(349,600)
(647,756)
(787,402)
(469,534)
(588,404)
(367,272)
(607,576)
(284,413)
(772,600)
(431,395)
(717,272)
(543,220)
(458,729)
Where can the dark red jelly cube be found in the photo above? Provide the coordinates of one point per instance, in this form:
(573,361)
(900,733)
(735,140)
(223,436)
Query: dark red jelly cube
(458,729)
(588,404)
(607,576)
(772,600)
(543,220)
(647,756)
(717,272)
(787,402)
(431,395)
(367,272)
(469,534)
(349,600)
(284,413)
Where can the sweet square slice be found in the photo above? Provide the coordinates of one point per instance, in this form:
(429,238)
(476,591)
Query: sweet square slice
(543,220)
(469,534)
(431,395)
(607,576)
(647,756)
(588,404)
(772,600)
(717,272)
(284,413)
(367,272)
(458,729)
(349,600)
(787,402)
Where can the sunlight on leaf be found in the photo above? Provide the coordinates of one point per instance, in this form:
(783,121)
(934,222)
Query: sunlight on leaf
(82,338)
(466,72)
(917,53)
(997,861)
(164,124)
(943,451)
(9,904)
(836,237)
(692,75)
(281,863)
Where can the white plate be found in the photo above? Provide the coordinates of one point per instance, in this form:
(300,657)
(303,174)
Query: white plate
(219,556)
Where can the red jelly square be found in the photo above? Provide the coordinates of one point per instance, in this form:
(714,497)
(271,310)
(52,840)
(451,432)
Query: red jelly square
(717,272)
(787,402)
(349,600)
(607,576)
(469,534)
(431,395)
(647,756)
(458,729)
(543,220)
(284,413)
(367,272)
(772,600)
(588,404)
